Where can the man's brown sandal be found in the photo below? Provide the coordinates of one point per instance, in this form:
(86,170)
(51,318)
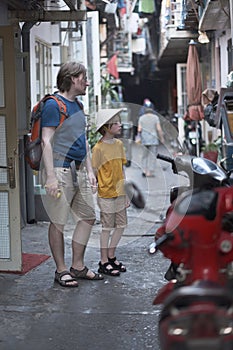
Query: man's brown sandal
(65,282)
(83,274)
(120,267)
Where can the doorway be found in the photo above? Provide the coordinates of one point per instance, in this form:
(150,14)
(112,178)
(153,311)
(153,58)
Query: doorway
(10,229)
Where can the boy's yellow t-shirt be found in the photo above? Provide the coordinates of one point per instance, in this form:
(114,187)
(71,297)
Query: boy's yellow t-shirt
(108,159)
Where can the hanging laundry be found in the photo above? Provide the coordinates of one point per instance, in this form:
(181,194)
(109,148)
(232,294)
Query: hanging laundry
(147,6)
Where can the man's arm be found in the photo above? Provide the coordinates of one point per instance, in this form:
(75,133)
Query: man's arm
(91,175)
(160,132)
(51,184)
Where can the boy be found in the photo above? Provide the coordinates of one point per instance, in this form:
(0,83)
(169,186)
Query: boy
(108,159)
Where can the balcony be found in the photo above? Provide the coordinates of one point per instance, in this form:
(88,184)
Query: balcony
(215,16)
(179,24)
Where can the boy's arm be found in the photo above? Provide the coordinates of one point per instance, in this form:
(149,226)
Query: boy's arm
(127,199)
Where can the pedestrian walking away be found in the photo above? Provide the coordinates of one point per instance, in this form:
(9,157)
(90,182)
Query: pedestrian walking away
(108,160)
(68,176)
(149,133)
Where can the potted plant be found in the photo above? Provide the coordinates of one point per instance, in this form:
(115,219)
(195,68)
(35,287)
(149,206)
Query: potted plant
(108,90)
(210,151)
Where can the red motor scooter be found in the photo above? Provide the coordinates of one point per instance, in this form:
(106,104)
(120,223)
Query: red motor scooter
(197,236)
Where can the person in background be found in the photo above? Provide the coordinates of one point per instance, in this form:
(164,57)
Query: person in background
(90,5)
(68,175)
(149,132)
(108,160)
(146,104)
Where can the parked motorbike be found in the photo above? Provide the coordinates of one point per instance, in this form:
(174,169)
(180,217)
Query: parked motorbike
(197,236)
(193,138)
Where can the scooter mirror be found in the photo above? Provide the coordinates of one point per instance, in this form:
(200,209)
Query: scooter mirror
(135,194)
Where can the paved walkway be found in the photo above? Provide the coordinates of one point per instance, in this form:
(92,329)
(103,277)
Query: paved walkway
(114,313)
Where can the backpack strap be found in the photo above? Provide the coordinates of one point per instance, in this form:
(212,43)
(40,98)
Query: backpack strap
(61,105)
(79,103)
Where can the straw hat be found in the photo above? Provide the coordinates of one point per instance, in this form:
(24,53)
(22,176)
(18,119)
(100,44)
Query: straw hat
(209,94)
(104,115)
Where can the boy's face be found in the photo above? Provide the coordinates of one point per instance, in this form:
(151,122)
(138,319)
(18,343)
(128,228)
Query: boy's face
(115,125)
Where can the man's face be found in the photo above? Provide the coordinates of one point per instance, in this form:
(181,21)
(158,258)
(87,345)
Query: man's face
(80,84)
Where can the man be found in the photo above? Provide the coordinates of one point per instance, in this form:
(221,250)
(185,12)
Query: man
(150,132)
(68,175)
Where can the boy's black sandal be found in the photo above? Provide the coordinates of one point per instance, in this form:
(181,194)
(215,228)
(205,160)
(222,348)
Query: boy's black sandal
(108,271)
(120,267)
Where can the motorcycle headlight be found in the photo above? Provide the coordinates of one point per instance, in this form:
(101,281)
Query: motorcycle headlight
(177,331)
(226,330)
(193,141)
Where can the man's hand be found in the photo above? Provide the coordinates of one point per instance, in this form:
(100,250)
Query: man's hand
(52,188)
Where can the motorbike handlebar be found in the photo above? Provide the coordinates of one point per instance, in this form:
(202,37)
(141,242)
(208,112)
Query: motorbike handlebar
(168,160)
(153,247)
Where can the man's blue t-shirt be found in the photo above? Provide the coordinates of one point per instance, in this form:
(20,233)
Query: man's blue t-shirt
(70,138)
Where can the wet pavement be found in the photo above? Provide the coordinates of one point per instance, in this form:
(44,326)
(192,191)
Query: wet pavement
(117,312)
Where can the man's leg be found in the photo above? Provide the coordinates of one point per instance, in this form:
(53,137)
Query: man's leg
(56,242)
(152,158)
(144,159)
(80,239)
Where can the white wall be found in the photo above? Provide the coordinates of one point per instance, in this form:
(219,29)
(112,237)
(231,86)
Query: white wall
(224,57)
(48,34)
(76,50)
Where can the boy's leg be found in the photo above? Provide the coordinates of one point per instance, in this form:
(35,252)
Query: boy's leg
(115,239)
(104,241)
(107,218)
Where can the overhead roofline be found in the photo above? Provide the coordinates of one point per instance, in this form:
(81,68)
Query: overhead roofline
(216,16)
(46,16)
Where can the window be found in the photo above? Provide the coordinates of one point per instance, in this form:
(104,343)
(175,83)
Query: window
(230,56)
(181,88)
(43,69)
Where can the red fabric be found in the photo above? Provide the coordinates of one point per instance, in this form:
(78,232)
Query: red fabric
(112,67)
(194,85)
(29,262)
(196,112)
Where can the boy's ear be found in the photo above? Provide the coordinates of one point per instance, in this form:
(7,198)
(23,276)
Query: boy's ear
(106,127)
